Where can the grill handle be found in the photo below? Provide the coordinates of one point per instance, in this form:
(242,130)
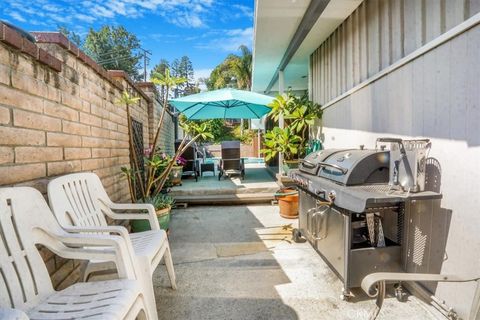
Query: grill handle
(333,166)
(391,140)
(400,142)
(308,164)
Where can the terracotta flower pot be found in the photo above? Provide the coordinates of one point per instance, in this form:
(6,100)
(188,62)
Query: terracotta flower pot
(288,203)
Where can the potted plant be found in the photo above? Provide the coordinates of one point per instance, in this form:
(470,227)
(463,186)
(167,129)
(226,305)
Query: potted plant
(147,181)
(299,113)
(177,171)
(163,205)
(284,141)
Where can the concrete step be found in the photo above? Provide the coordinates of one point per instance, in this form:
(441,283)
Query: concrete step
(222,191)
(239,198)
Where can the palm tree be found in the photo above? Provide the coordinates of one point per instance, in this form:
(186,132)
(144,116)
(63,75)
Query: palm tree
(242,68)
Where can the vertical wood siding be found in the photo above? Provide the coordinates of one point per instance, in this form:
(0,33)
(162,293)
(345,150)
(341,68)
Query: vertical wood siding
(377,34)
(436,95)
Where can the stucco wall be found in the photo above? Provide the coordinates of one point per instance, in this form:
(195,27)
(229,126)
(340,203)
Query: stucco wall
(435,94)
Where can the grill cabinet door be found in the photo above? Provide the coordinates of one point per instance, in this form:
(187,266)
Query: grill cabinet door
(332,244)
(307,202)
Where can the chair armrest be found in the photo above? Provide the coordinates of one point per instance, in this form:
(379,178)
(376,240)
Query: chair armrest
(374,284)
(118,230)
(14,314)
(151,216)
(369,282)
(94,247)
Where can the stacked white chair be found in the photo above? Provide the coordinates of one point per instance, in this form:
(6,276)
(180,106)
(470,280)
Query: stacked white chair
(81,204)
(26,289)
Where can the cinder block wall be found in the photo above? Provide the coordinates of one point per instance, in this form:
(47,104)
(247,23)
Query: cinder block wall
(58,114)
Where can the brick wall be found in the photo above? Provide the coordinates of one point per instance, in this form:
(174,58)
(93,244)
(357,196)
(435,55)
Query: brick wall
(58,114)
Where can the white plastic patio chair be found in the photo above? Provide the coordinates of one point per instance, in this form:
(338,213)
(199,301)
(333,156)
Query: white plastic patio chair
(374,285)
(26,289)
(80,204)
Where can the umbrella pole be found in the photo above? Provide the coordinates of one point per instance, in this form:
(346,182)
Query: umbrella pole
(258,139)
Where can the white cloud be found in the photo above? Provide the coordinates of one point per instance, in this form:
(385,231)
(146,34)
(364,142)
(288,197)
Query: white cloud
(17,16)
(183,13)
(232,40)
(202,73)
(85,18)
(100,11)
(51,7)
(243,11)
(187,19)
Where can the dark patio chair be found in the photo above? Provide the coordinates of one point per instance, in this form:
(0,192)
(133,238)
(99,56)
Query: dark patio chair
(192,167)
(231,163)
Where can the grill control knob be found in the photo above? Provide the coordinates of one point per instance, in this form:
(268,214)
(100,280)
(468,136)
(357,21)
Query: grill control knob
(332,195)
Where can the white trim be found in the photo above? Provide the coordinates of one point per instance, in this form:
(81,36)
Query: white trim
(452,33)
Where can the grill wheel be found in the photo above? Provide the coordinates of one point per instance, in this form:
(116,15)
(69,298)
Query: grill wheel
(297,236)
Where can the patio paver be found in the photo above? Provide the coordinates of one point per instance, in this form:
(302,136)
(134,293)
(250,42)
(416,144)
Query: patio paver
(231,263)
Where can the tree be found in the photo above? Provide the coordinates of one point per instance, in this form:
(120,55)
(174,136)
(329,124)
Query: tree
(168,82)
(242,68)
(72,36)
(160,69)
(158,167)
(233,72)
(223,75)
(114,48)
(183,68)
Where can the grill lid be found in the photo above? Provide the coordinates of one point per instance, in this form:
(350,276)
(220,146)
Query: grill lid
(310,164)
(349,166)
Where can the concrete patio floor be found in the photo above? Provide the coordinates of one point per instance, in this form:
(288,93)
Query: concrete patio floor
(258,185)
(235,262)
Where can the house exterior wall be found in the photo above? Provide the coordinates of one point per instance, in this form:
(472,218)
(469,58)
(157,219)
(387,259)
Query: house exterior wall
(376,35)
(58,114)
(434,93)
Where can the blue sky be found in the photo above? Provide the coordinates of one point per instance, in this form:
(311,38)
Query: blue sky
(205,30)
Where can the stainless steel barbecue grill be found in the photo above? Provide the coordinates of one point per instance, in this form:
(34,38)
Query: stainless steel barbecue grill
(352,208)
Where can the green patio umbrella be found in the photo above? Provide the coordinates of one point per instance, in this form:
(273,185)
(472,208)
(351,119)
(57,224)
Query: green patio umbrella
(223,104)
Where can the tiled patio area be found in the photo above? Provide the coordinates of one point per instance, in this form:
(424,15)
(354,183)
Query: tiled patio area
(258,185)
(236,262)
